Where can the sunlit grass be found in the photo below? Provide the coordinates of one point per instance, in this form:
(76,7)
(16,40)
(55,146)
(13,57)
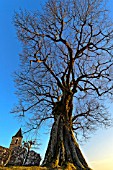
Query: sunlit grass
(23,168)
(68,167)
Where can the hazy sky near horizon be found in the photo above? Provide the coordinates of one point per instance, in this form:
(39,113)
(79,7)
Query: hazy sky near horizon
(98,150)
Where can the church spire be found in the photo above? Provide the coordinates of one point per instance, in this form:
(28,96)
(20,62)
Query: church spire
(18,134)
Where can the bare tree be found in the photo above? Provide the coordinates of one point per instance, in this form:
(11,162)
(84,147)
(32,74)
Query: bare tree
(27,145)
(66,73)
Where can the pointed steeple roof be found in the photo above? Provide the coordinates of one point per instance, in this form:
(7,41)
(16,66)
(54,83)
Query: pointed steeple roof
(19,133)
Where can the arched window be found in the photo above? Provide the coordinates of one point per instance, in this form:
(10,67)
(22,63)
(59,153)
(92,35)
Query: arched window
(16,141)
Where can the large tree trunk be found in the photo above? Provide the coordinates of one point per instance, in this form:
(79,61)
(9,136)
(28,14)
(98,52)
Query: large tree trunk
(63,148)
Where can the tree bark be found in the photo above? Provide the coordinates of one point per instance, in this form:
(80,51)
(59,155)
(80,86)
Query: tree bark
(63,147)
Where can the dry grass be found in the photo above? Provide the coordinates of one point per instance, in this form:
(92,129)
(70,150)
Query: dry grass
(31,168)
(68,167)
(23,168)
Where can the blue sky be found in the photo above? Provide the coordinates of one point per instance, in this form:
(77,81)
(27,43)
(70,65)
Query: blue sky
(98,150)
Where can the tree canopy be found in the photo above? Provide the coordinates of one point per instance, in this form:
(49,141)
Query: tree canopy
(66,47)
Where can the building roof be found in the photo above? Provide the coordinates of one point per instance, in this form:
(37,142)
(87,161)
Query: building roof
(19,133)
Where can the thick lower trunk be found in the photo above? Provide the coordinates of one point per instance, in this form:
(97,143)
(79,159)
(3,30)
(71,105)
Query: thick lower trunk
(63,148)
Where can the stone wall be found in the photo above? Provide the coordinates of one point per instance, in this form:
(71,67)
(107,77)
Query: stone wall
(33,159)
(18,156)
(5,155)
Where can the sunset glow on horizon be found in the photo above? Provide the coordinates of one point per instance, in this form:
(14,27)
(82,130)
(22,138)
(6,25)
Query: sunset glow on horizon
(104,164)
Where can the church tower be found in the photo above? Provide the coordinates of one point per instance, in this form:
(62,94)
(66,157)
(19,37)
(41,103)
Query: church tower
(16,139)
